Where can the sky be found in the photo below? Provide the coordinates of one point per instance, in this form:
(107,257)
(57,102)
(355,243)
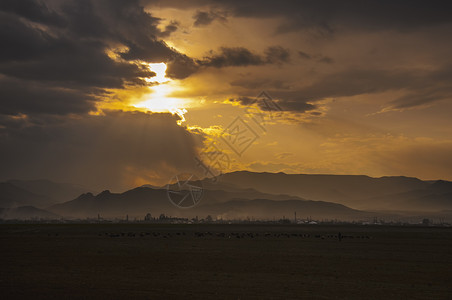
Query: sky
(116,94)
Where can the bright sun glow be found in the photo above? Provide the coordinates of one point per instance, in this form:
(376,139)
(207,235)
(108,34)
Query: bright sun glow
(159,100)
(160,71)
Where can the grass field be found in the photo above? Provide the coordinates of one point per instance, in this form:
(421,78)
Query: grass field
(224,262)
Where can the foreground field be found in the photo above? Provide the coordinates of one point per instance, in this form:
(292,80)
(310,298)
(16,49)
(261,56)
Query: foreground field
(224,262)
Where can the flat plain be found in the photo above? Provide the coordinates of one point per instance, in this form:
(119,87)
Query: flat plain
(162,261)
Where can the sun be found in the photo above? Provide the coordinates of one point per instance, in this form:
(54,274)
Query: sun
(159,99)
(160,71)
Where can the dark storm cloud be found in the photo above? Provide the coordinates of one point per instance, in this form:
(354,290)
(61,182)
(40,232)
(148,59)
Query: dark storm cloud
(53,55)
(106,151)
(356,81)
(240,56)
(326,16)
(67,63)
(203,18)
(170,28)
(243,100)
(20,41)
(331,15)
(237,56)
(296,104)
(32,10)
(57,61)
(282,102)
(423,86)
(21,97)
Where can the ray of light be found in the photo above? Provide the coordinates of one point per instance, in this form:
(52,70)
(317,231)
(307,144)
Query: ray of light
(159,99)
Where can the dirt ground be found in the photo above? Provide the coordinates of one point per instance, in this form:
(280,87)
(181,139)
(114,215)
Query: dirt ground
(110,261)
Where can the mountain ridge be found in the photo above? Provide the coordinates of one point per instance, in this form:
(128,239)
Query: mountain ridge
(358,193)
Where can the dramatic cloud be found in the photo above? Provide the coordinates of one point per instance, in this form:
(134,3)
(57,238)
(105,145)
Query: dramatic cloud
(240,56)
(330,15)
(54,58)
(277,104)
(117,150)
(170,28)
(203,18)
(32,10)
(361,30)
(426,85)
(29,97)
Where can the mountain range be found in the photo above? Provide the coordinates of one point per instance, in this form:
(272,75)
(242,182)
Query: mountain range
(356,191)
(242,195)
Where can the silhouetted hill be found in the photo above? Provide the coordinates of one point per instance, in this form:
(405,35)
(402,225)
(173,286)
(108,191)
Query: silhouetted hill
(57,192)
(13,196)
(218,203)
(217,194)
(221,192)
(430,199)
(355,191)
(243,194)
(37,193)
(441,187)
(136,203)
(26,213)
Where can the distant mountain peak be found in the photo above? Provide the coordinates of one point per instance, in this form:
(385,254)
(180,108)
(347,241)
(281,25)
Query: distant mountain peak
(85,196)
(104,193)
